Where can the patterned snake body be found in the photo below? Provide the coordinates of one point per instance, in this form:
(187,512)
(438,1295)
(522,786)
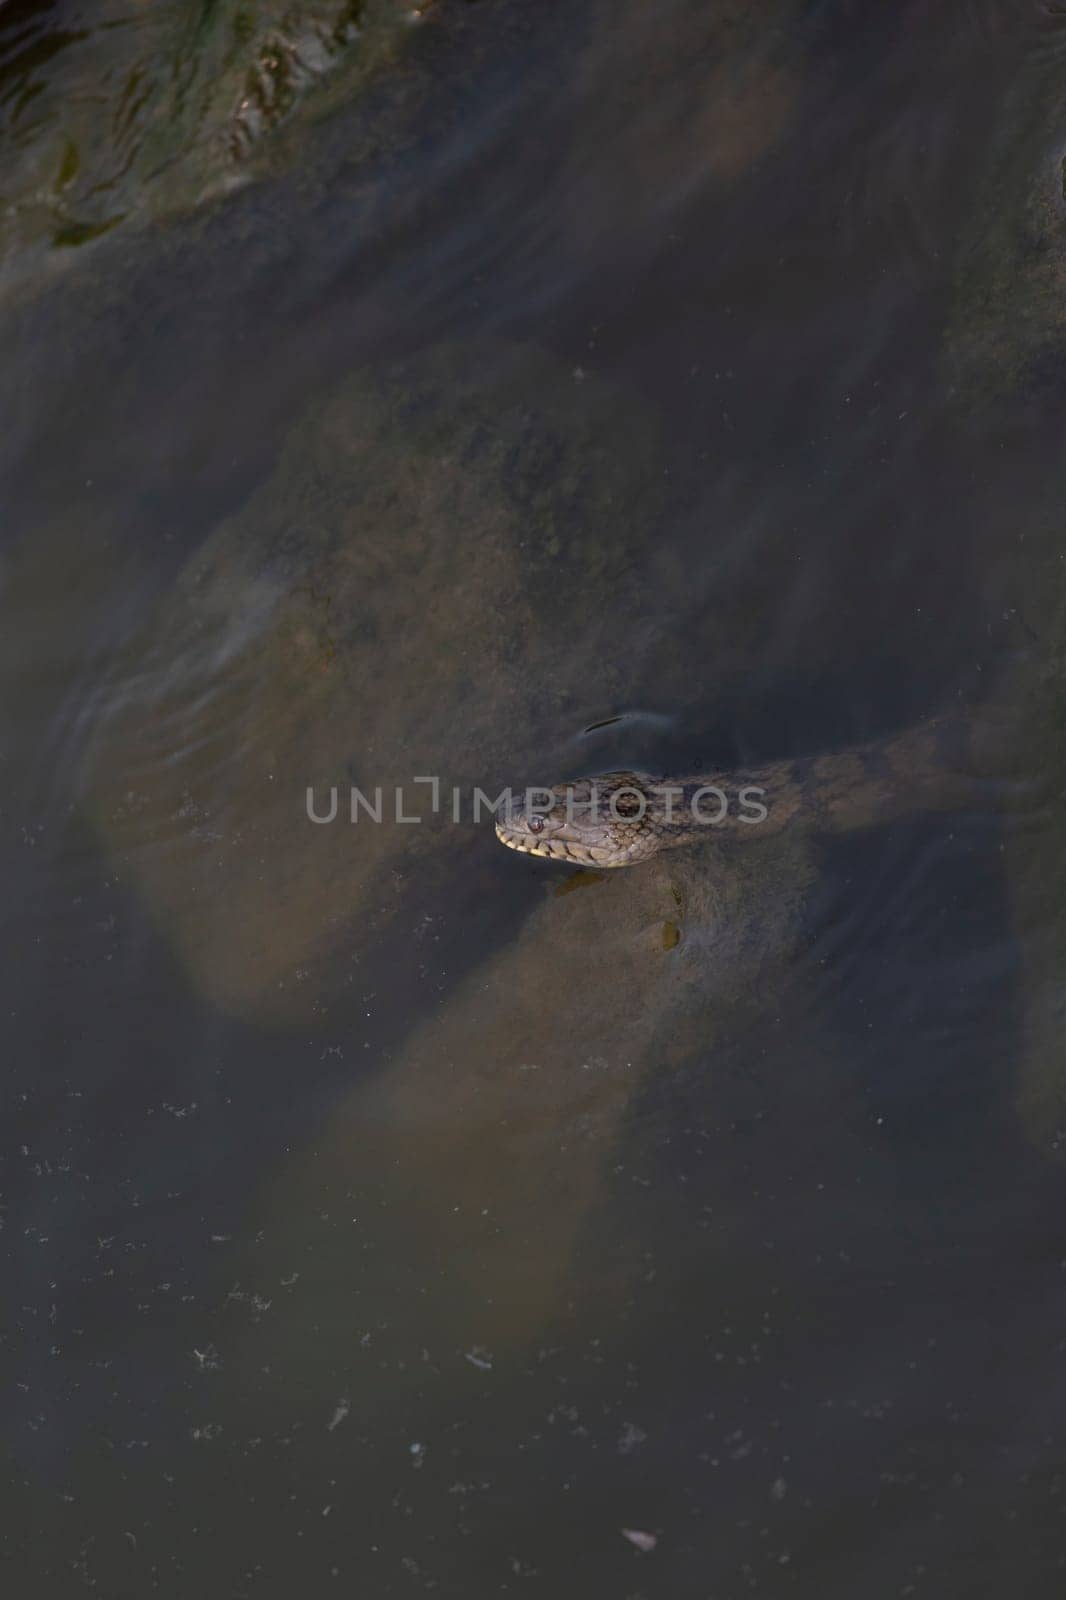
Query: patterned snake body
(621,818)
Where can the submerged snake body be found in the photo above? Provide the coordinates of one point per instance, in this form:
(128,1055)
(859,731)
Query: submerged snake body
(621,818)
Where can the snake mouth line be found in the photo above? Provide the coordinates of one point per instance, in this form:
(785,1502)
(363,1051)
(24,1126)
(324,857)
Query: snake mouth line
(556,850)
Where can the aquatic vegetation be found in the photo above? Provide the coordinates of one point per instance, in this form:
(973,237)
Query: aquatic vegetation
(156,109)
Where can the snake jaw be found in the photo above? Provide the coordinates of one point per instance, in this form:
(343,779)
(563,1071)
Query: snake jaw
(578,854)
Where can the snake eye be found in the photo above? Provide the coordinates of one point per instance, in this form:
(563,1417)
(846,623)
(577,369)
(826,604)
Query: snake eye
(535,824)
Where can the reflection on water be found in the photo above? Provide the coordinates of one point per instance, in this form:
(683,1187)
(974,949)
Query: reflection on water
(672,388)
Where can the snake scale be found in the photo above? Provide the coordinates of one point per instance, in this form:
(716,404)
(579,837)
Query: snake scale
(620,818)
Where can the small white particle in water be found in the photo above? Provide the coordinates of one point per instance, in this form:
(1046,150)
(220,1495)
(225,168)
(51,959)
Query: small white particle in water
(636,1536)
(341,1411)
(779,1488)
(479,1357)
(630,1438)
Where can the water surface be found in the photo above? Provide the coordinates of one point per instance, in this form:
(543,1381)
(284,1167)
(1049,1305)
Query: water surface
(504,394)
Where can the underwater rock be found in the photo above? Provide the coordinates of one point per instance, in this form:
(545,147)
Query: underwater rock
(433,582)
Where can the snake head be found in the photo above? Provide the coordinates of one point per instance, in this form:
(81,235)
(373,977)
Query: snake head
(593,822)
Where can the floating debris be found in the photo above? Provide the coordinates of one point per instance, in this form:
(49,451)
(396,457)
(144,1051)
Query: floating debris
(341,1411)
(643,1541)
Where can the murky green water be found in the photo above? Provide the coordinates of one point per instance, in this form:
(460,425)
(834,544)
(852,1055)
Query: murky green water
(499,394)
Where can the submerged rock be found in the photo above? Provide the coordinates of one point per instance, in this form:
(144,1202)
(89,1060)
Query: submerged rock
(434,581)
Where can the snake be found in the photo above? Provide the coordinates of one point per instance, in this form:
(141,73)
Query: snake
(618,819)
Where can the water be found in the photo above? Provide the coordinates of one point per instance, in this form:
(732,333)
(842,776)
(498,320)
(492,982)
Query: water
(509,395)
